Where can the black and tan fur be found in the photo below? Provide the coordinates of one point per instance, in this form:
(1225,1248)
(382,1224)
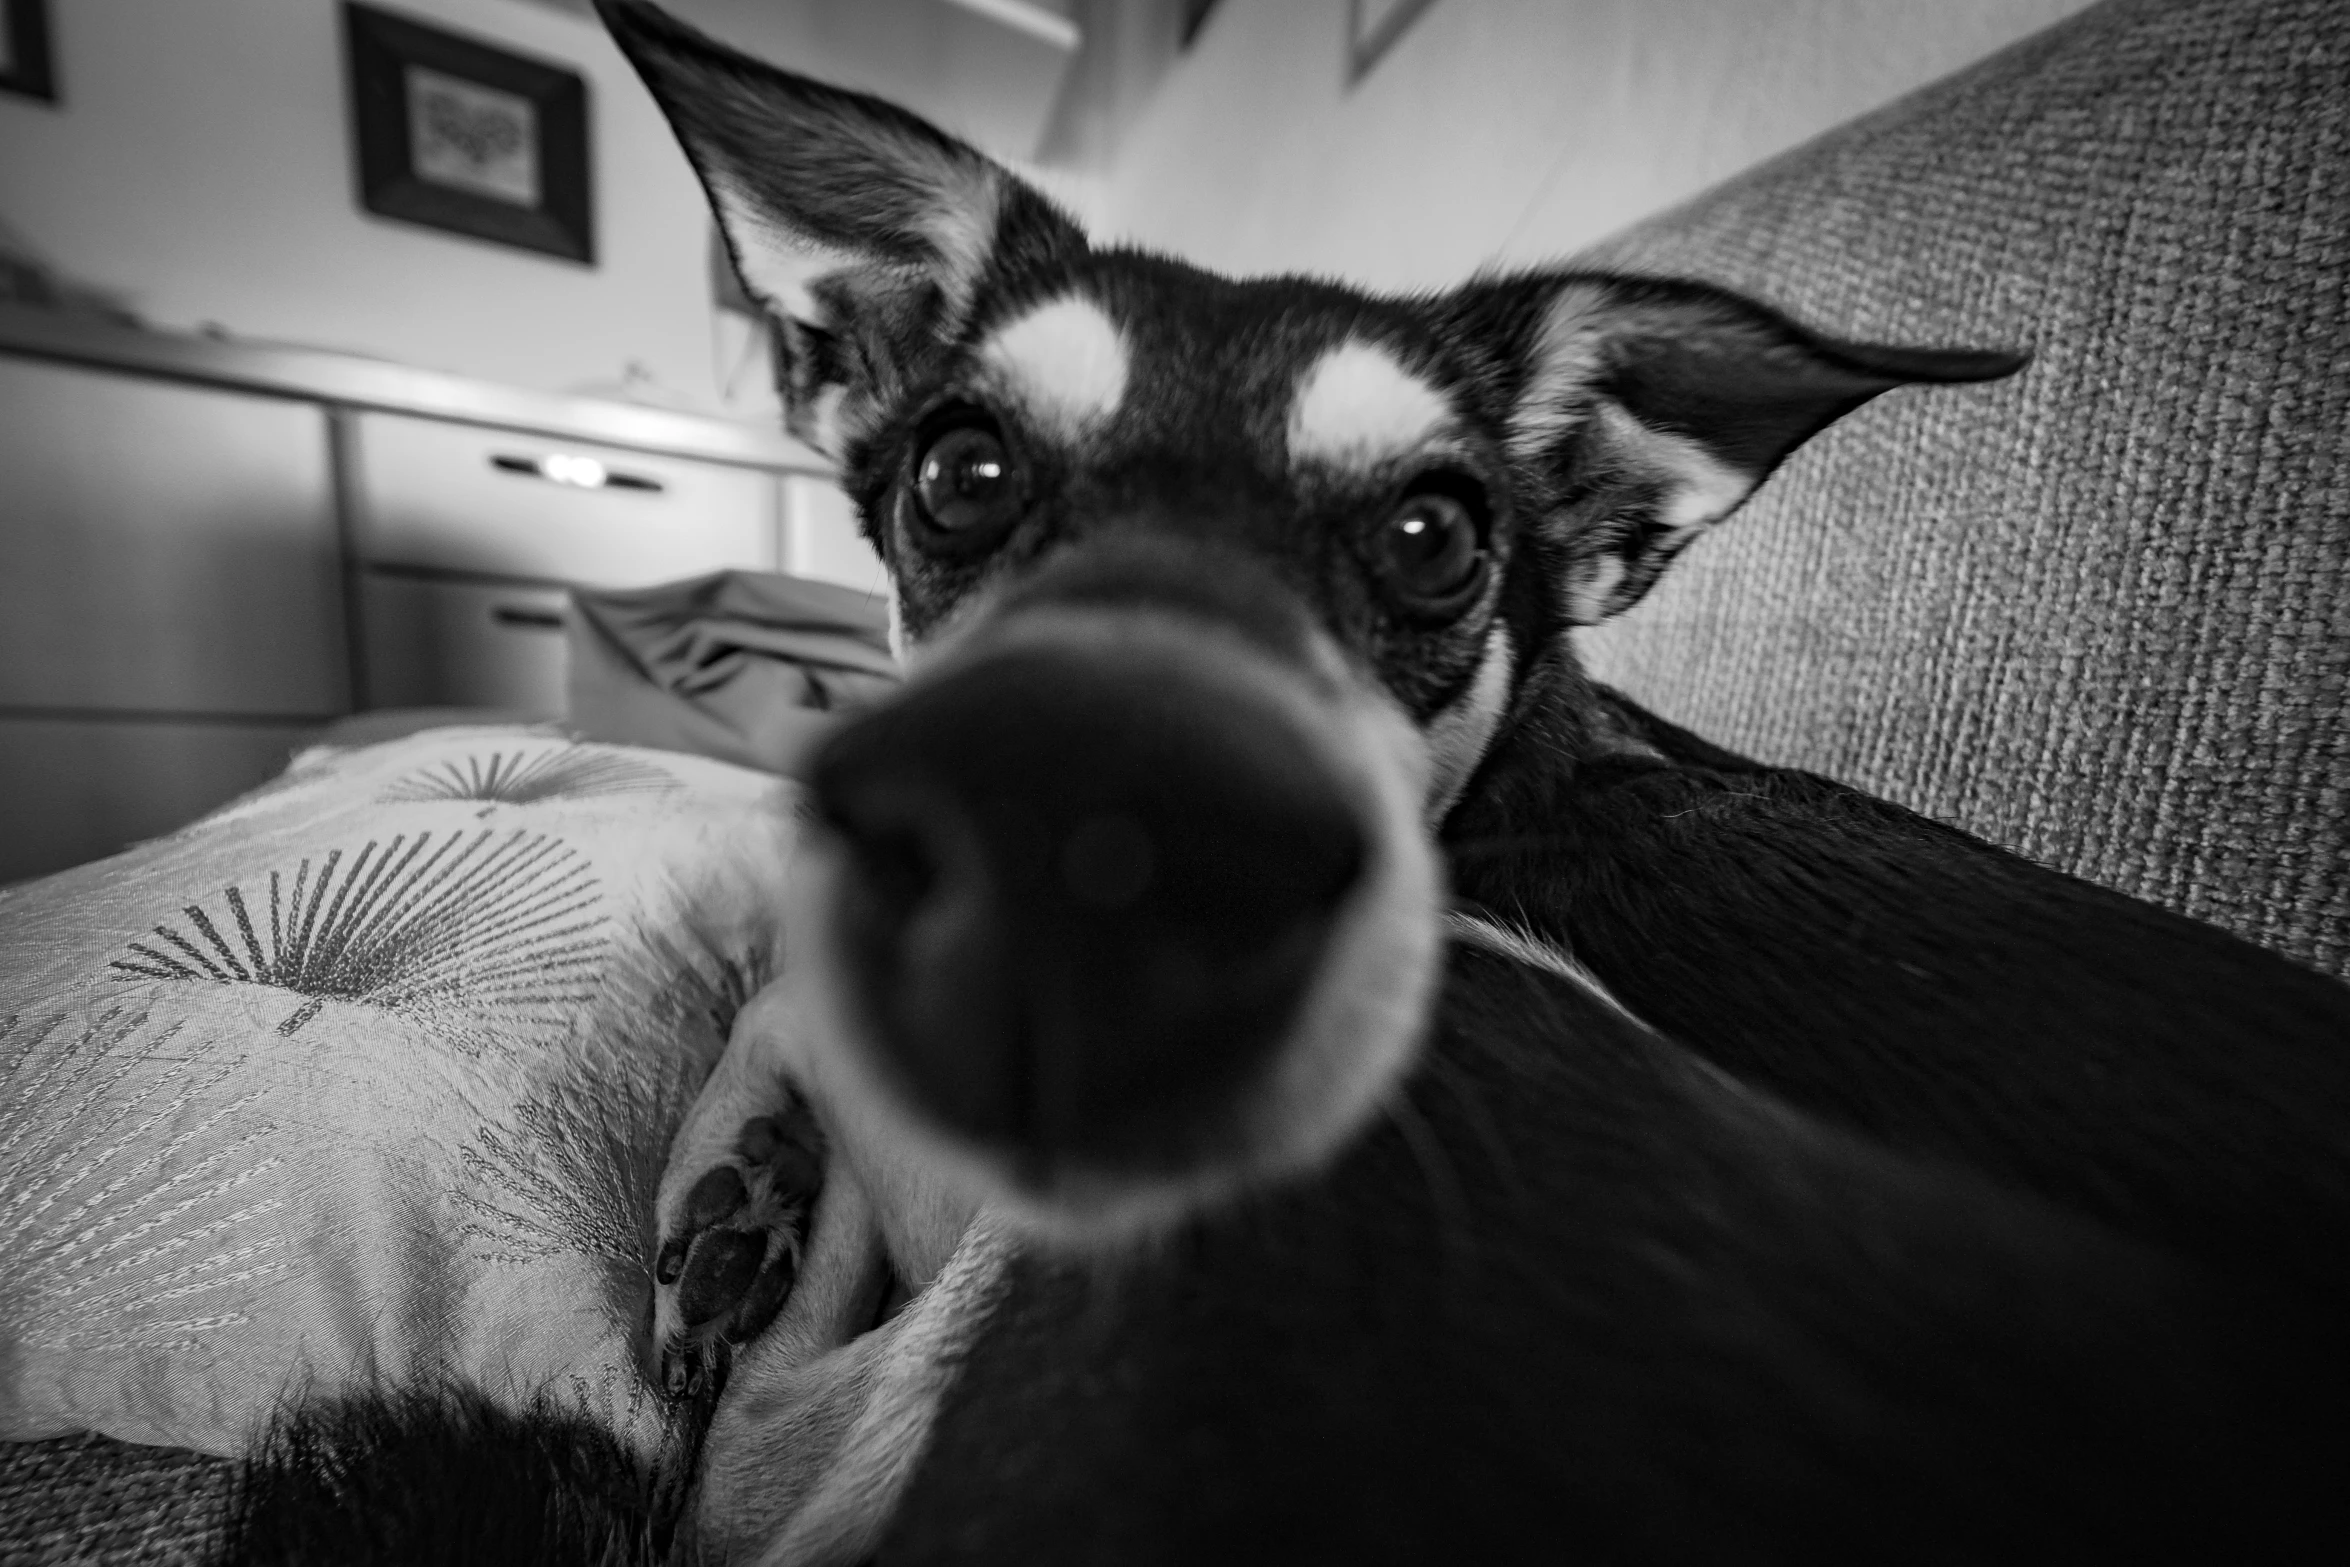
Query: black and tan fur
(1616,1150)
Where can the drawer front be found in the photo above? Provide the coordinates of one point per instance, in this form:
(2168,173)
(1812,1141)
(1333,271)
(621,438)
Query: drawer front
(463,644)
(165,549)
(453,497)
(820,536)
(81,789)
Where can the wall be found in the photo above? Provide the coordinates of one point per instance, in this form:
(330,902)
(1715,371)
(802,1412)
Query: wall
(200,162)
(200,166)
(1510,129)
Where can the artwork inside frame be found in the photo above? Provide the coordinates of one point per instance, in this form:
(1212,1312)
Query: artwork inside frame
(457,134)
(26,66)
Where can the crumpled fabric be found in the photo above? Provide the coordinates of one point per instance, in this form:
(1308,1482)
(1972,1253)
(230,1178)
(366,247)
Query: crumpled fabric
(370,1076)
(747,667)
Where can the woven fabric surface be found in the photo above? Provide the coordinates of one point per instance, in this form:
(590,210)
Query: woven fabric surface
(2100,613)
(85,1499)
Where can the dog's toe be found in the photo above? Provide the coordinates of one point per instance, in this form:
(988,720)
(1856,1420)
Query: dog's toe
(730,1244)
(717,1196)
(719,1274)
(789,1146)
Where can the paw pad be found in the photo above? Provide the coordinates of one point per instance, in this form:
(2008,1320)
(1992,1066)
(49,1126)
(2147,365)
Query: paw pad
(730,1246)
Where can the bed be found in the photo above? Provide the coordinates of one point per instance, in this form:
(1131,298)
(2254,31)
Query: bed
(368,1076)
(2102,614)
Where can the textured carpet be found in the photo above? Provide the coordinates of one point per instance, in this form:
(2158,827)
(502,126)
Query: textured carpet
(86,1499)
(2100,614)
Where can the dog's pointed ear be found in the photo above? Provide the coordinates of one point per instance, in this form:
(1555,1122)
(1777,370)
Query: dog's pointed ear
(1646,411)
(862,229)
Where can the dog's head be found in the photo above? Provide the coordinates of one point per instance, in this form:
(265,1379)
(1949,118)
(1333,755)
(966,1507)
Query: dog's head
(1217,592)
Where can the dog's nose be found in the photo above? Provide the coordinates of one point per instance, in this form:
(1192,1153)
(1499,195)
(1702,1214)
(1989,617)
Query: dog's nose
(1085,896)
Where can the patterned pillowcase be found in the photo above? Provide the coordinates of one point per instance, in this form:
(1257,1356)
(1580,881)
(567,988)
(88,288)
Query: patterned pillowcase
(369,1077)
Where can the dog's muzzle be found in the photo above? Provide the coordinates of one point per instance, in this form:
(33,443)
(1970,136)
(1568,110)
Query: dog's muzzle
(1131,891)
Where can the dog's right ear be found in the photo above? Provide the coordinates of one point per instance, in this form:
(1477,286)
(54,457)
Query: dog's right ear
(1646,410)
(861,228)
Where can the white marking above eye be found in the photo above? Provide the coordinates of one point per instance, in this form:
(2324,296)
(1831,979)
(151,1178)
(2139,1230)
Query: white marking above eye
(1065,362)
(1357,404)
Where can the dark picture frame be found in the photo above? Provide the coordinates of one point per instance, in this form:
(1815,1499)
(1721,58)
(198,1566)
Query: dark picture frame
(26,66)
(1370,35)
(456,134)
(1194,21)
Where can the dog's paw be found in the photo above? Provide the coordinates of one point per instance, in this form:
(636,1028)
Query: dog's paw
(733,1217)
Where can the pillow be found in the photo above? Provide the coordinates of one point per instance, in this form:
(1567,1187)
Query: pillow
(369,1078)
(746,666)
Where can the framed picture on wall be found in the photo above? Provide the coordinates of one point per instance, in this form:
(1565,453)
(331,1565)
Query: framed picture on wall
(25,66)
(459,135)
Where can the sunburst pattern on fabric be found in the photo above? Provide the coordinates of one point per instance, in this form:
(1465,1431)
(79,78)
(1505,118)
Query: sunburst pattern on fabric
(575,1172)
(575,1169)
(124,1209)
(574,772)
(578,1165)
(499,926)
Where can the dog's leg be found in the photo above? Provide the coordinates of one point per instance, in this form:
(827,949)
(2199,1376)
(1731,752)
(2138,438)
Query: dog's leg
(732,1217)
(812,1447)
(771,1131)
(811,1216)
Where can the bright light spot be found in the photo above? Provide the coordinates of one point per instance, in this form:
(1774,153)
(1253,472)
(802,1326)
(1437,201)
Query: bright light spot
(563,468)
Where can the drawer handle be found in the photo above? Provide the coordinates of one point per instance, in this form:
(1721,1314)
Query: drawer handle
(527,618)
(581,473)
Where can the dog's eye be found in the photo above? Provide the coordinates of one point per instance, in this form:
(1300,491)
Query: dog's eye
(1431,553)
(965,483)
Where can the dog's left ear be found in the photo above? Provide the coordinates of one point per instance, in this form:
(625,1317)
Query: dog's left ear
(1646,411)
(862,229)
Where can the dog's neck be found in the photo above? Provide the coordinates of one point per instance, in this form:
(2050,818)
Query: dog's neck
(1561,723)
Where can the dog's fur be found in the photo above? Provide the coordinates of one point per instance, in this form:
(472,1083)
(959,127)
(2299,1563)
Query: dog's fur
(1741,1168)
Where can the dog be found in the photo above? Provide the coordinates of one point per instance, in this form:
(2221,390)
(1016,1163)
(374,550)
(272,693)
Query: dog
(1274,1062)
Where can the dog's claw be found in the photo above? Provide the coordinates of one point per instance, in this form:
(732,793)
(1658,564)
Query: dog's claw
(681,1373)
(730,1244)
